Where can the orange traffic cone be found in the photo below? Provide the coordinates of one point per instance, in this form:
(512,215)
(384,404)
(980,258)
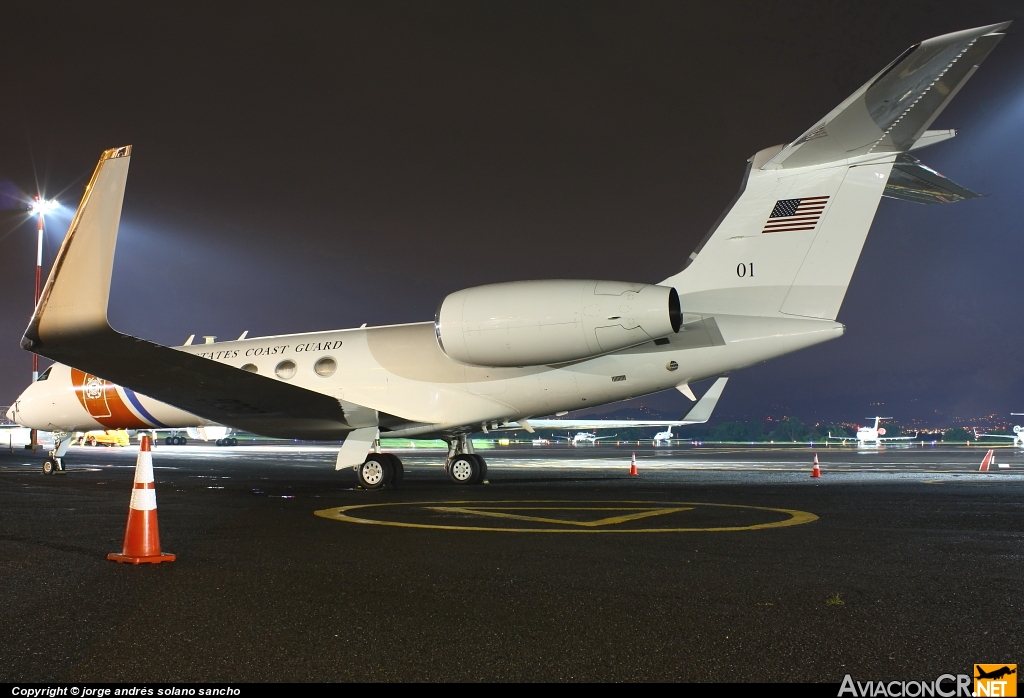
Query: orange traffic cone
(632,466)
(816,472)
(142,536)
(987,461)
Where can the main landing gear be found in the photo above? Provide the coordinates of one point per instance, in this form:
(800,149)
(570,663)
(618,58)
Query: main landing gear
(383,469)
(54,462)
(380,469)
(462,465)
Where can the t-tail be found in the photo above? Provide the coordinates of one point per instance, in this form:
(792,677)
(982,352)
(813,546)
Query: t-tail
(789,243)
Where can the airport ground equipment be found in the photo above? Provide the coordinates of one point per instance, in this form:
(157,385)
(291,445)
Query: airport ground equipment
(767,280)
(142,532)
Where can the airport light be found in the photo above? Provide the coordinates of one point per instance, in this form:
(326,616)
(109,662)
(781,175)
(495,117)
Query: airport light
(39,207)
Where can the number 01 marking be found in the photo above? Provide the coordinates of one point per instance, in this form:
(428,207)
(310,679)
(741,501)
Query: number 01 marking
(743,269)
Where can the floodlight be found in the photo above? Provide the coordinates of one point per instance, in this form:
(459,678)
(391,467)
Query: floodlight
(43,206)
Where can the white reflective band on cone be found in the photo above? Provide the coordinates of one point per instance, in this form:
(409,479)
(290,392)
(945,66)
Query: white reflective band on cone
(144,467)
(143,499)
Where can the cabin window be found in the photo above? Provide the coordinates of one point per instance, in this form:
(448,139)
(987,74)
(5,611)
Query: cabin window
(618,379)
(661,342)
(325,367)
(45,374)
(251,368)
(285,369)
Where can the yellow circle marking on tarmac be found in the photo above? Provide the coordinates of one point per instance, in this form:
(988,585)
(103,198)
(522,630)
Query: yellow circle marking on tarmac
(631,511)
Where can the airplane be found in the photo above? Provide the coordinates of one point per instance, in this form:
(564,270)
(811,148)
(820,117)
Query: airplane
(220,435)
(1018,433)
(768,279)
(665,436)
(872,435)
(995,673)
(583,437)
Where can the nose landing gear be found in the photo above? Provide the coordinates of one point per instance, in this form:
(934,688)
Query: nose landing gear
(54,462)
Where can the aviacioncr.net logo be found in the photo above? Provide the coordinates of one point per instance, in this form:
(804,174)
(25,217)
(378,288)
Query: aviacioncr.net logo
(946,686)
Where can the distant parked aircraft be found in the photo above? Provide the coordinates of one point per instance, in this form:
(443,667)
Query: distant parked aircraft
(1018,433)
(872,435)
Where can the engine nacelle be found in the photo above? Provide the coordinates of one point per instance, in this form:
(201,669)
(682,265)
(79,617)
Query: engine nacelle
(532,323)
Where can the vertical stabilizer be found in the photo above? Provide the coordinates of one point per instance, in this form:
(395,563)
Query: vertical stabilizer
(789,243)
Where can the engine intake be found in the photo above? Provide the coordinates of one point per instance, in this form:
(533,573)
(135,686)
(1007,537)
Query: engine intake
(532,323)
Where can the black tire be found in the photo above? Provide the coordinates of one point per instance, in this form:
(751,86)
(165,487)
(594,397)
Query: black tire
(375,472)
(49,467)
(219,442)
(464,469)
(180,440)
(169,441)
(483,470)
(232,441)
(397,470)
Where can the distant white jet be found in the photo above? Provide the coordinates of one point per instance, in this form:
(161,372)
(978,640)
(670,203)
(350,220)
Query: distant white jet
(583,437)
(665,436)
(1018,433)
(872,435)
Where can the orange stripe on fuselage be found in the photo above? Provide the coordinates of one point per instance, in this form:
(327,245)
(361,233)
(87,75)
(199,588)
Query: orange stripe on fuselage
(103,403)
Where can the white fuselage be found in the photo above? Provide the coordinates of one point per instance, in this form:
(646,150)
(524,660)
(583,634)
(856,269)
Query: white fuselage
(402,371)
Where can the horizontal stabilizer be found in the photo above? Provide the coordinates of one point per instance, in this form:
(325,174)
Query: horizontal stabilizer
(891,112)
(911,180)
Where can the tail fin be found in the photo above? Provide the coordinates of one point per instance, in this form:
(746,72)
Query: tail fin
(789,243)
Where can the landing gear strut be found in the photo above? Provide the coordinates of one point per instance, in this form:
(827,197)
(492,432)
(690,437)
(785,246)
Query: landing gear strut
(54,462)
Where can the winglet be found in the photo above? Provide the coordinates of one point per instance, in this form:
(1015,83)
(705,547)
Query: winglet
(701,412)
(74,301)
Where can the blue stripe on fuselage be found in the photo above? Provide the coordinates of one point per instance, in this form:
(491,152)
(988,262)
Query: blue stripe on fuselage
(134,399)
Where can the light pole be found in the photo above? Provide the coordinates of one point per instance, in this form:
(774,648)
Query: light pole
(40,207)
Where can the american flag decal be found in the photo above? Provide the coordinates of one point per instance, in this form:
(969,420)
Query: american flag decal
(795,214)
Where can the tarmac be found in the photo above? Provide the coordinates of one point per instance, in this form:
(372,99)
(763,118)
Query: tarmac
(714,564)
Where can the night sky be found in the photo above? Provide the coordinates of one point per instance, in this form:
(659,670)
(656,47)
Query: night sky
(311,167)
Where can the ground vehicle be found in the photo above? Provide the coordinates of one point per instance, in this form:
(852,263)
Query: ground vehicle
(106,437)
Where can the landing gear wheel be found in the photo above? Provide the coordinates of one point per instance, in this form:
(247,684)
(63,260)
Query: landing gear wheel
(219,442)
(169,441)
(232,441)
(49,467)
(375,471)
(180,441)
(464,469)
(483,471)
(397,469)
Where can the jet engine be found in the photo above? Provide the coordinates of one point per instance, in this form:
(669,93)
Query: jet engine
(532,323)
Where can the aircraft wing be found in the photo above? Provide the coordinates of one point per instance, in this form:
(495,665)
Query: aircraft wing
(698,414)
(70,326)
